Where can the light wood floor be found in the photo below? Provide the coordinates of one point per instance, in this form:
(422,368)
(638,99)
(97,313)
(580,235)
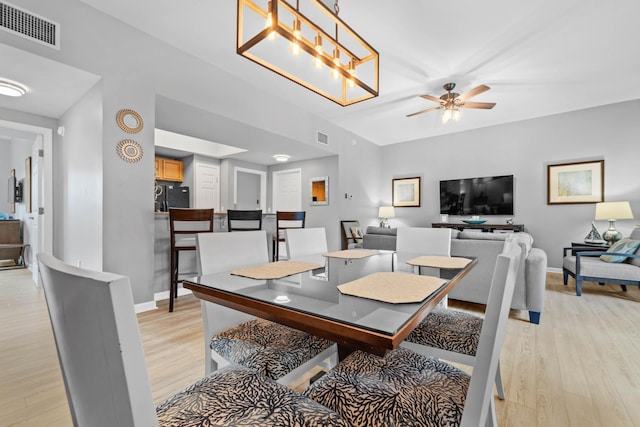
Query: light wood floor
(579,367)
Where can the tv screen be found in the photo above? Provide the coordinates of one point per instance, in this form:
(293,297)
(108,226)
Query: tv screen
(477,196)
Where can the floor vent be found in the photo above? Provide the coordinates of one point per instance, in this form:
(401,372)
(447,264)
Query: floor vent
(322,138)
(28,25)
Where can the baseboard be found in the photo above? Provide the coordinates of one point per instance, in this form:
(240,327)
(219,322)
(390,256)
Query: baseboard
(158,296)
(145,306)
(554,270)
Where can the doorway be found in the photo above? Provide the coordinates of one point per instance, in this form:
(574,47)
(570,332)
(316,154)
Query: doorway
(38,224)
(249,189)
(287,190)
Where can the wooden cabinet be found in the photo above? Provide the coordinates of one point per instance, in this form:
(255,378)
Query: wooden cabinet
(169,169)
(10,242)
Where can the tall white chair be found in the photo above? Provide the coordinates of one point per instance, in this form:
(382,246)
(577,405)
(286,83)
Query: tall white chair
(231,336)
(403,385)
(452,335)
(418,241)
(105,376)
(306,242)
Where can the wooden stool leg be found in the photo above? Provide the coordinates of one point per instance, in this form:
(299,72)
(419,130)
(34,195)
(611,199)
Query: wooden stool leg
(172,276)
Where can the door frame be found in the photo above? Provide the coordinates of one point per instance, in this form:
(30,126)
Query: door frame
(263,185)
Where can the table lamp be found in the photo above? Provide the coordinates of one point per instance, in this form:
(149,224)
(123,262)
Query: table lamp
(611,211)
(384,213)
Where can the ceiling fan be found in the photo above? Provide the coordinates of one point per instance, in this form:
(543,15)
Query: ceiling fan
(451,102)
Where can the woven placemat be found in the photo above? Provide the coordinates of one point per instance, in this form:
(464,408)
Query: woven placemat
(395,288)
(439,261)
(275,270)
(352,253)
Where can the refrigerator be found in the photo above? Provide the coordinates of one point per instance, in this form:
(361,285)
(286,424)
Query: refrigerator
(173,196)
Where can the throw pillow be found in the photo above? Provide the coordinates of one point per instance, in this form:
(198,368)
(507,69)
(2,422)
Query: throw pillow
(622,246)
(356,232)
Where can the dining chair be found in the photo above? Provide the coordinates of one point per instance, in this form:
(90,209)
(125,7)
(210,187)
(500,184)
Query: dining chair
(183,225)
(306,242)
(285,220)
(230,336)
(405,387)
(105,375)
(418,241)
(451,335)
(244,220)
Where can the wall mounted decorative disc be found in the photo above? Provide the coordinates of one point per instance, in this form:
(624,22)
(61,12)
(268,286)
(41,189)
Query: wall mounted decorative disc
(129,120)
(129,150)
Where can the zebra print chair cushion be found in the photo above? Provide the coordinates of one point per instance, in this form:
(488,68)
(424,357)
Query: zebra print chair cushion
(401,389)
(450,330)
(272,349)
(238,396)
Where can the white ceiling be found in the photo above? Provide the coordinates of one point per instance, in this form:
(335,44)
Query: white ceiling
(539,58)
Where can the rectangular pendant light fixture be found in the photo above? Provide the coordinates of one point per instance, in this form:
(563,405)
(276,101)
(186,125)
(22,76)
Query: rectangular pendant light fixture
(312,47)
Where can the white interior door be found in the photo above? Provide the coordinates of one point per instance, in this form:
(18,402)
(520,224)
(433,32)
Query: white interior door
(287,190)
(207,183)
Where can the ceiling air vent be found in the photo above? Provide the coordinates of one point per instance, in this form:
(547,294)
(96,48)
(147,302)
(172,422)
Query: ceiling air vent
(322,138)
(28,25)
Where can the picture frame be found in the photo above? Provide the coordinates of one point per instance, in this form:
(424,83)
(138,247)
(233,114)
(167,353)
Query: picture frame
(573,183)
(406,192)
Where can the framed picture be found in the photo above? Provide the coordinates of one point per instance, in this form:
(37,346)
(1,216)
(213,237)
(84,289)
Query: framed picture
(581,182)
(406,192)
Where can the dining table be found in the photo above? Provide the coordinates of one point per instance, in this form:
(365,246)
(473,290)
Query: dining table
(352,297)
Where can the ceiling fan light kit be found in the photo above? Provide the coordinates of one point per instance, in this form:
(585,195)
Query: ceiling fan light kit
(312,47)
(451,102)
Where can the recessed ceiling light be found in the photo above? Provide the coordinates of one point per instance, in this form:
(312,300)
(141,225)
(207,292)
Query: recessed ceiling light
(281,157)
(11,89)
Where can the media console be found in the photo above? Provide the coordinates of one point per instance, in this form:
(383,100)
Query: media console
(484,227)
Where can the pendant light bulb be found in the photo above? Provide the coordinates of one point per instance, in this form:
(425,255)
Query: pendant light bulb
(317,59)
(352,72)
(269,23)
(297,34)
(335,74)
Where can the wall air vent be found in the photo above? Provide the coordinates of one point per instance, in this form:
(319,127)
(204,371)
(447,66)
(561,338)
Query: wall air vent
(322,138)
(25,24)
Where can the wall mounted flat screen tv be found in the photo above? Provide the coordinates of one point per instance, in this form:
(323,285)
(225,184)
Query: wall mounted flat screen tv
(477,196)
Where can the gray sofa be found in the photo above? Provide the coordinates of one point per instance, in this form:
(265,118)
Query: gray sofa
(530,285)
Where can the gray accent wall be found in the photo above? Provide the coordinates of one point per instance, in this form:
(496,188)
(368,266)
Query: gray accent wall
(524,149)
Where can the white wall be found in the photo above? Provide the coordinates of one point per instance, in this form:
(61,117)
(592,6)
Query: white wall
(524,149)
(78,190)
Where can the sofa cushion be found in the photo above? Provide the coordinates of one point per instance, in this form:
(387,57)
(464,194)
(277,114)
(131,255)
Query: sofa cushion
(591,266)
(381,230)
(480,235)
(635,235)
(622,246)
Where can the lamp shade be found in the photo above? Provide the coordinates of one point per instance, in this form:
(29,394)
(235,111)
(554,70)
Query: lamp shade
(613,210)
(386,212)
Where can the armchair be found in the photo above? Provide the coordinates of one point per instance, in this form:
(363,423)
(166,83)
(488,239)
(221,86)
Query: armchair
(587,265)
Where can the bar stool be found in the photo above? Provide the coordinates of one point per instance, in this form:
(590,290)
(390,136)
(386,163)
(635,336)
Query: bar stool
(183,225)
(244,220)
(284,221)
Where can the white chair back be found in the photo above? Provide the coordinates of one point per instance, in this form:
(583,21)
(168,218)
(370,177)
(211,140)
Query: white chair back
(216,253)
(305,242)
(479,406)
(418,241)
(99,347)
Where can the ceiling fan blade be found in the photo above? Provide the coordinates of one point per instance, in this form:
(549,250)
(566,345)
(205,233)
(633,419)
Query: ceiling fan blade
(481,105)
(473,92)
(432,98)
(424,111)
